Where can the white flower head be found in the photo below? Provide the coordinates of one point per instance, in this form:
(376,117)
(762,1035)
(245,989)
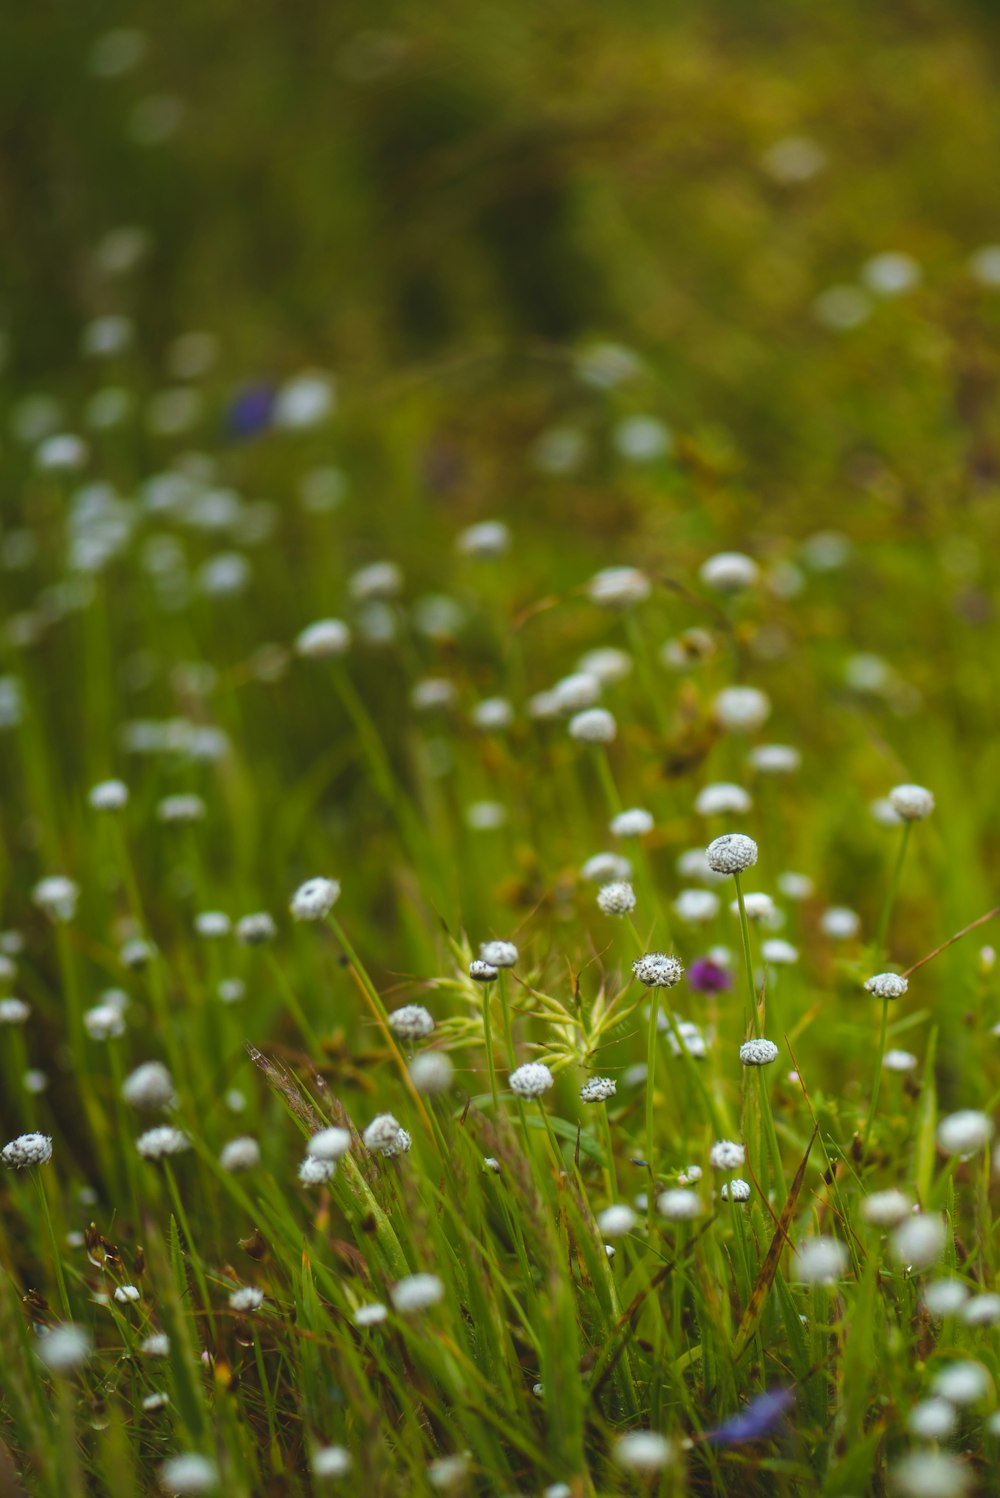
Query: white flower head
(104,1022)
(729,572)
(315,899)
(932,1419)
(722,799)
(913,803)
(212,925)
(325,638)
(412,1022)
(416,1292)
(741,709)
(377,580)
(370,1315)
(736,1190)
(492,715)
(149,1087)
(726,1154)
(486,540)
(246,1298)
(65,1348)
(188,1473)
(498,953)
(240,1154)
(316,1172)
(919,1242)
(574,693)
(931,1474)
(965,1133)
(821,1261)
(598,1090)
(618,587)
(981,1310)
(27,1150)
(382,1135)
(605,868)
(775,759)
(643,1451)
(183,807)
(887,985)
(657,969)
(617,898)
(886,1209)
(108,795)
(840,923)
(127,1294)
(945,1297)
(14,1012)
(595,725)
(758,906)
(616,1221)
(531,1079)
(156,1144)
(632,823)
(696,905)
(779,953)
(330,1461)
(57,897)
(330,1144)
(679,1205)
(731,853)
(962,1383)
(432,1072)
(607,663)
(483,972)
(156,1345)
(758,1052)
(256,929)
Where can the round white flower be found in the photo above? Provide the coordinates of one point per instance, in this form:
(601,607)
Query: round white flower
(696,905)
(127,1294)
(156,1345)
(247,1298)
(482,972)
(27,1150)
(736,1190)
(758,906)
(412,1022)
(679,1205)
(574,693)
(330,1461)
(188,1473)
(327,637)
(378,580)
(253,930)
(240,1154)
(617,898)
(157,1143)
(432,1072)
(382,1134)
(726,1154)
(962,1383)
(741,709)
(931,1474)
(149,1087)
(531,1079)
(486,539)
(758,1052)
(887,985)
(722,799)
(981,1310)
(643,1451)
(595,725)
(57,897)
(607,663)
(779,953)
(605,868)
(597,1090)
(103,1022)
(965,1133)
(886,1209)
(370,1315)
(932,1419)
(314,1172)
(492,715)
(731,853)
(415,1292)
(775,759)
(213,925)
(920,1241)
(433,694)
(616,1221)
(14,1011)
(315,899)
(821,1261)
(498,953)
(729,572)
(840,923)
(913,803)
(632,823)
(330,1144)
(65,1348)
(618,587)
(108,795)
(795,886)
(181,808)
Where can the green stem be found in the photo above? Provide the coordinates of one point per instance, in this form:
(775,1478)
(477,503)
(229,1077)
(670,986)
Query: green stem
(488,1038)
(747,958)
(54,1243)
(654,1010)
(880,956)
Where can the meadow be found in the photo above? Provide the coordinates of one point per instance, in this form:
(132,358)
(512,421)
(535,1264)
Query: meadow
(498,742)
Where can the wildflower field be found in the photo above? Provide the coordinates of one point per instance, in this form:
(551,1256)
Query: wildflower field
(499,750)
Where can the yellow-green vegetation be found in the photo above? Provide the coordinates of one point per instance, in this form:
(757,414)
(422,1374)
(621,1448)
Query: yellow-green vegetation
(498,569)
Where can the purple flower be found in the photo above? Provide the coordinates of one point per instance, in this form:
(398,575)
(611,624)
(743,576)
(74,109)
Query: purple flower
(755,1420)
(706,976)
(250,411)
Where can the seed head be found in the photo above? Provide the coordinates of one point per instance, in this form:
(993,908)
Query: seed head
(493,715)
(315,899)
(758,1052)
(736,1190)
(597,1090)
(155,1144)
(247,1298)
(731,853)
(325,638)
(157,1345)
(240,1154)
(965,1133)
(433,694)
(658,970)
(330,1144)
(127,1294)
(531,1079)
(573,693)
(981,1310)
(370,1315)
(607,663)
(315,1172)
(378,580)
(412,1022)
(482,972)
(382,1134)
(498,953)
(415,1292)
(887,985)
(57,897)
(617,898)
(108,795)
(104,1022)
(25,1150)
(595,725)
(605,868)
(913,803)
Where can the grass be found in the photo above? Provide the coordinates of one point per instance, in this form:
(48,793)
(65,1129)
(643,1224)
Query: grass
(459,223)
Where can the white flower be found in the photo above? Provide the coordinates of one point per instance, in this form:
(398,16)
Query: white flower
(412,1022)
(691,1042)
(758,1052)
(643,1451)
(758,906)
(919,1241)
(432,694)
(821,1261)
(253,930)
(729,572)
(188,1473)
(137,953)
(155,1401)
(731,853)
(887,985)
(726,1154)
(721,799)
(775,759)
(962,1383)
(330,1461)
(382,1134)
(741,709)
(616,1221)
(932,1419)
(108,795)
(314,1172)
(886,1209)
(304,401)
(945,1297)
(632,823)
(736,1190)
(696,905)
(840,923)
(181,808)
(482,972)
(162,1141)
(911,802)
(965,1133)
(325,638)
(890,273)
(26,1150)
(981,1310)
(595,725)
(415,1292)
(330,1144)
(125,1294)
(370,1315)
(377,580)
(642,439)
(247,1298)
(447,1472)
(239,1154)
(795,886)
(149,1087)
(14,1012)
(657,969)
(618,587)
(689,649)
(103,1022)
(573,693)
(485,816)
(315,899)
(156,1345)
(531,1079)
(492,714)
(617,898)
(498,953)
(779,953)
(486,539)
(65,1348)
(931,1474)
(56,896)
(679,1205)
(605,868)
(607,663)
(597,1090)
(212,924)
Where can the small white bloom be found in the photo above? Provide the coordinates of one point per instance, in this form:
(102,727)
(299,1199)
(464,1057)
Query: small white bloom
(27,1150)
(315,899)
(382,1134)
(597,1090)
(378,580)
(887,985)
(911,802)
(415,1292)
(492,715)
(188,1473)
(314,1172)
(657,969)
(962,1383)
(231,990)
(821,1261)
(212,924)
(679,1205)
(919,1242)
(729,572)
(689,1175)
(103,1022)
(483,972)
(412,1022)
(779,953)
(607,663)
(899,1061)
(618,587)
(485,816)
(886,1209)
(731,853)
(447,1472)
(595,725)
(632,823)
(981,1310)
(617,898)
(306,400)
(605,868)
(945,1297)
(126,1294)
(758,1052)
(253,930)
(108,795)
(965,1133)
(726,1154)
(696,905)
(240,1154)
(57,897)
(775,759)
(890,273)
(156,1345)
(14,1012)
(326,638)
(486,540)
(149,1087)
(758,906)
(370,1315)
(181,808)
(433,694)
(247,1298)
(616,1221)
(157,1143)
(498,953)
(795,886)
(330,1461)
(840,923)
(736,1190)
(155,1401)
(330,1144)
(932,1419)
(643,1451)
(575,692)
(931,1474)
(65,1348)
(722,799)
(531,1079)
(741,709)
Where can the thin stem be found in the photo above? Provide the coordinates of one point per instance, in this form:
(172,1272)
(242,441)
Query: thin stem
(614,800)
(747,959)
(654,1010)
(54,1243)
(488,1037)
(890,899)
